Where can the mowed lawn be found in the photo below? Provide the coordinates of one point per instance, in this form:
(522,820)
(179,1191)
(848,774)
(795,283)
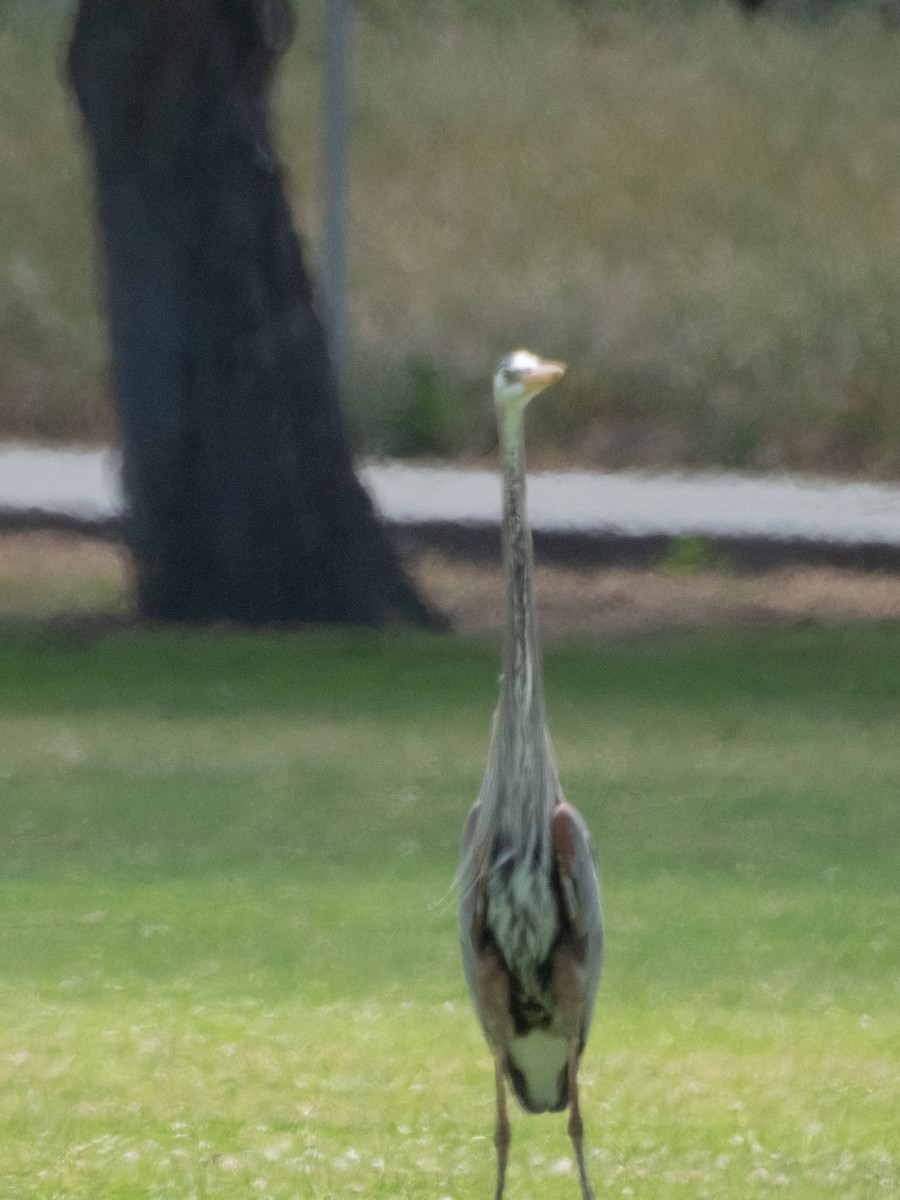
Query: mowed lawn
(228,958)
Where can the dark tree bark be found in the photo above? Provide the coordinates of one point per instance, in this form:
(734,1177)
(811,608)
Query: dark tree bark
(241,499)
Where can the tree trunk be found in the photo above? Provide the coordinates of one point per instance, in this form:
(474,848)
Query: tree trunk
(241,499)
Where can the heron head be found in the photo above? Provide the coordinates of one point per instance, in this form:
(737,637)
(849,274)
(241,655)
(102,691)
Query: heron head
(520,376)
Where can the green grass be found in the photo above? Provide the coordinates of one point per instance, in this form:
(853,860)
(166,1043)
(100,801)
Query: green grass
(697,211)
(228,961)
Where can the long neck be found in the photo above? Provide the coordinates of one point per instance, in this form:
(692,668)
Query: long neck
(520,784)
(521,712)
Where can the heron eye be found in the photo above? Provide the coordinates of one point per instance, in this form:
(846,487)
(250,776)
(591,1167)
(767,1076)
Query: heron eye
(509,375)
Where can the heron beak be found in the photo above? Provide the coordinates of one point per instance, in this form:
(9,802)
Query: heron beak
(541,377)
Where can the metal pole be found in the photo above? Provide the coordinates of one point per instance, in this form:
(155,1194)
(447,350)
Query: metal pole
(335,173)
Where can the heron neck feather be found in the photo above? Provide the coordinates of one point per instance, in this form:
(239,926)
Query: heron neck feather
(521,717)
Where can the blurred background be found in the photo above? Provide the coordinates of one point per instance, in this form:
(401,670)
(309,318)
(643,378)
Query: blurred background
(695,205)
(698,209)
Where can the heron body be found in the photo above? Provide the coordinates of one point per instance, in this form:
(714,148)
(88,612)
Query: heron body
(530,925)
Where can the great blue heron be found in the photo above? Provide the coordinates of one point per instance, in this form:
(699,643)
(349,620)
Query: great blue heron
(529,896)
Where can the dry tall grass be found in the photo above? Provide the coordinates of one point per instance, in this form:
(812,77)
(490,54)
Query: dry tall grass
(698,211)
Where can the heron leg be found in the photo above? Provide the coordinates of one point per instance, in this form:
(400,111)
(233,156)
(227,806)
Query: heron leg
(502,1134)
(493,1004)
(576,1125)
(569,991)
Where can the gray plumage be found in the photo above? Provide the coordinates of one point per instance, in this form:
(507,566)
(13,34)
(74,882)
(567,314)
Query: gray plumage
(529,912)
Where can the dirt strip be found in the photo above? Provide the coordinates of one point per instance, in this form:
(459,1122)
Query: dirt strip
(572,602)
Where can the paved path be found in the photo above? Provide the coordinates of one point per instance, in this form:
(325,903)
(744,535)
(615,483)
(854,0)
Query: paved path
(85,485)
(634,504)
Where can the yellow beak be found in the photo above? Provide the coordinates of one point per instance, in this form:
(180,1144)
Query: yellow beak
(548,372)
